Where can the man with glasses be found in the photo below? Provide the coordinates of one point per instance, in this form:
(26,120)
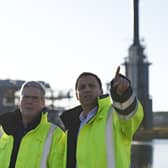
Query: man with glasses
(27,139)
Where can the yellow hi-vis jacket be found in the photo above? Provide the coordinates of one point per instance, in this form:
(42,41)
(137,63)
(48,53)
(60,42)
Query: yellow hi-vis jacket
(31,149)
(101,147)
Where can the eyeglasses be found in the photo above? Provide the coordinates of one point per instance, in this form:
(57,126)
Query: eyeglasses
(33,98)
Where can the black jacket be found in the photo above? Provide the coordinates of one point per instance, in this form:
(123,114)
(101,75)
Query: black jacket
(10,121)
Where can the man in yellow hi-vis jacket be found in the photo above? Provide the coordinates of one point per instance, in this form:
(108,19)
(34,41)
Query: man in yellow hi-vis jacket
(99,131)
(27,139)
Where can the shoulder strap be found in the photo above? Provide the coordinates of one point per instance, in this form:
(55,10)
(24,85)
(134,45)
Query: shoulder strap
(47,145)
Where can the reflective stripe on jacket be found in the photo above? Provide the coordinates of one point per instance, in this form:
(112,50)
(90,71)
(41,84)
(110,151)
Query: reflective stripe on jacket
(32,146)
(92,146)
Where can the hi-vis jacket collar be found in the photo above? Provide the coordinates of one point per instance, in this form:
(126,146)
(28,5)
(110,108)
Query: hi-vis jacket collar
(103,100)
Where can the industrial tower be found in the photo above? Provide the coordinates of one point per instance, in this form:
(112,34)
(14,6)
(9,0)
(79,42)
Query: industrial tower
(137,70)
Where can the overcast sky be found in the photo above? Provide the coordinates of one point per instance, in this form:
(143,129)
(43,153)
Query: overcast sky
(55,41)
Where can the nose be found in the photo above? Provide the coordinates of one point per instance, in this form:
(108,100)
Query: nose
(87,88)
(30,100)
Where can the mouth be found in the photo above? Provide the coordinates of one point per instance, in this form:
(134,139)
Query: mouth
(87,96)
(28,108)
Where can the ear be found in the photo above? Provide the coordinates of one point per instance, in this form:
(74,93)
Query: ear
(101,91)
(77,97)
(19,103)
(43,102)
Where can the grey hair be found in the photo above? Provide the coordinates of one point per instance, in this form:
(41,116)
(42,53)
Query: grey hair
(34,84)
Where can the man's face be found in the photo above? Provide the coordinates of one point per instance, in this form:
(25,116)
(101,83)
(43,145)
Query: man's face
(87,91)
(31,102)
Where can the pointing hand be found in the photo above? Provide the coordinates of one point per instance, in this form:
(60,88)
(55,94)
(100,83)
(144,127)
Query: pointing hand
(120,82)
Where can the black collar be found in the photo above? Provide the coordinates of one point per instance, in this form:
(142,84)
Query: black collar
(12,122)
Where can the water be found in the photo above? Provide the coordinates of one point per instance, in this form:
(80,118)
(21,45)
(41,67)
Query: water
(150,154)
(160,154)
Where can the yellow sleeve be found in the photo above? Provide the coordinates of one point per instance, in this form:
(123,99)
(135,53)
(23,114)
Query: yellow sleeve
(129,125)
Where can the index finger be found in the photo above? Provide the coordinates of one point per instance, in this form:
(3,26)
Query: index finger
(117,72)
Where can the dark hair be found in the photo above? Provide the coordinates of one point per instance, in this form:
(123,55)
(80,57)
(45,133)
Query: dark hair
(87,74)
(34,84)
